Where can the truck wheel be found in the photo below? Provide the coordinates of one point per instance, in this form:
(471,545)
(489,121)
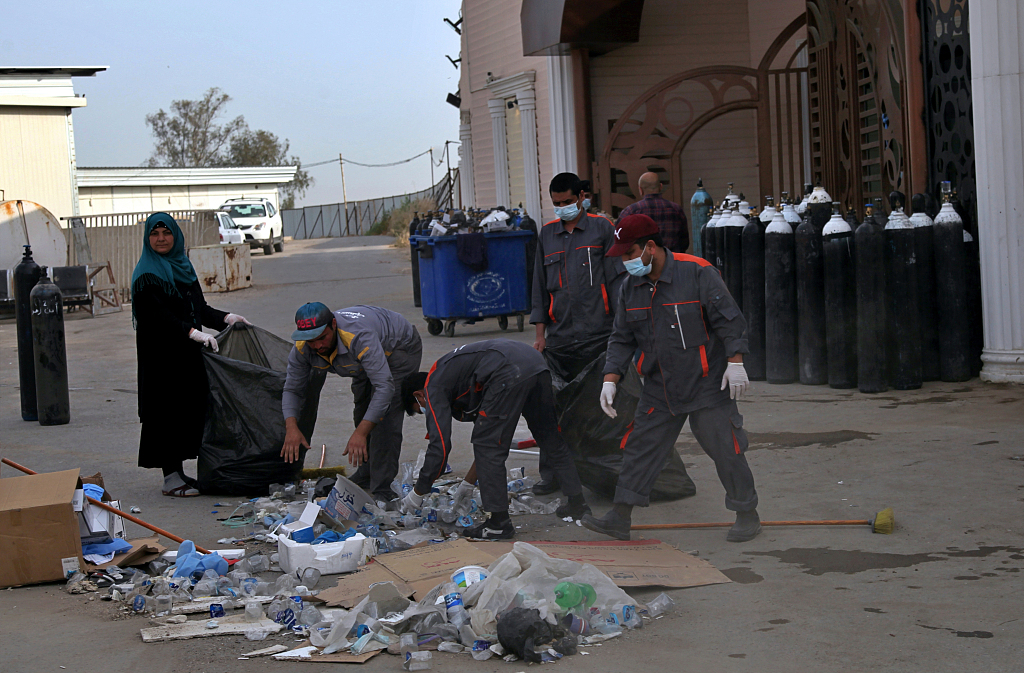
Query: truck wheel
(434,326)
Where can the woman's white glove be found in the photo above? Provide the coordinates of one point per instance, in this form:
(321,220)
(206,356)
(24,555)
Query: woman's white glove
(232,318)
(204,338)
(736,378)
(608,398)
(411,502)
(462,495)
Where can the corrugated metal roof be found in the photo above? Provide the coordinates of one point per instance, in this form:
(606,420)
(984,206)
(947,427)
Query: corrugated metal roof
(73,71)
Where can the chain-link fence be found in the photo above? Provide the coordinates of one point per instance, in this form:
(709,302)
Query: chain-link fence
(325,221)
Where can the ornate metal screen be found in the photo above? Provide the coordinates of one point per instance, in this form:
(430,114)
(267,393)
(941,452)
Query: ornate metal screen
(857,98)
(949,116)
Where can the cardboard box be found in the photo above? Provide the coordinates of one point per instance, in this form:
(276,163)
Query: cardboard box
(346,502)
(39,536)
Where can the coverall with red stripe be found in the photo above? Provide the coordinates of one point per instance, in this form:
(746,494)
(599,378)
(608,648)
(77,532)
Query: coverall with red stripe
(686,325)
(491,384)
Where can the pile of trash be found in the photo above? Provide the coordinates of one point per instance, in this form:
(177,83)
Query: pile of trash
(526,605)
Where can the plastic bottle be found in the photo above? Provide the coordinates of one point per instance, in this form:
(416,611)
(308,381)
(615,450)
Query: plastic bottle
(253,611)
(482,650)
(161,605)
(408,644)
(417,661)
(575,596)
(457,614)
(660,605)
(284,584)
(309,577)
(310,616)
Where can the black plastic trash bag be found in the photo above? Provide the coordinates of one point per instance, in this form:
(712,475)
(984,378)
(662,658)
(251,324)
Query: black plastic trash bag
(595,439)
(524,633)
(241,452)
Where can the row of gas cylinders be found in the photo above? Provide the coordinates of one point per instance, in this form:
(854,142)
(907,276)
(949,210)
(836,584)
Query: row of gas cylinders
(42,352)
(887,302)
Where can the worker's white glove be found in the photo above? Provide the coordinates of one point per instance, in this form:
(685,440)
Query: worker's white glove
(608,398)
(204,338)
(411,502)
(232,318)
(462,495)
(736,378)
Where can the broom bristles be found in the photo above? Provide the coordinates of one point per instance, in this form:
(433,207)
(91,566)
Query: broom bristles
(885,521)
(318,472)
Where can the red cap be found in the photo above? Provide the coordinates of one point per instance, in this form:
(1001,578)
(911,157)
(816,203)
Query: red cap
(628,230)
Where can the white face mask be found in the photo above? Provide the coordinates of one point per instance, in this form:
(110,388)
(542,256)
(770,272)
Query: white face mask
(636,266)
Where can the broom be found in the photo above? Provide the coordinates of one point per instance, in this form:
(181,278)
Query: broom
(884,522)
(318,472)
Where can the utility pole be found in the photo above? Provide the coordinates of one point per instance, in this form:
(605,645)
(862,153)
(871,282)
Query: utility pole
(451,187)
(432,169)
(344,194)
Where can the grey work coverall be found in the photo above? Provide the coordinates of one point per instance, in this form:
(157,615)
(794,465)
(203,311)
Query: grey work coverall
(686,325)
(378,349)
(491,384)
(574,289)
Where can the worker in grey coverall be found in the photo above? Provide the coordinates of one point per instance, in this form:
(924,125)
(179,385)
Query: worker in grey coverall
(574,286)
(378,349)
(491,384)
(691,335)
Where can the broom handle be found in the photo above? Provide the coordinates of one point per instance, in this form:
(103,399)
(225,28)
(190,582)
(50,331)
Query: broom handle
(827,522)
(114,510)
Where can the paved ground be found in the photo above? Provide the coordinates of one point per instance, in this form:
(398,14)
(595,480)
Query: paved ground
(941,594)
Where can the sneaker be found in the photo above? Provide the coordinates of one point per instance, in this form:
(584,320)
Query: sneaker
(489,530)
(611,525)
(577,512)
(546,487)
(747,526)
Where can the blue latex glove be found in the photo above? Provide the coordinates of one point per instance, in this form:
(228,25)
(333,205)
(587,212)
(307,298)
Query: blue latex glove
(118,545)
(191,563)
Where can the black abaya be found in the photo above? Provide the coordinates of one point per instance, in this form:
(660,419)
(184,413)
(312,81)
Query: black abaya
(172,379)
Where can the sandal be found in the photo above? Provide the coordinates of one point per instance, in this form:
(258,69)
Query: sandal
(183,491)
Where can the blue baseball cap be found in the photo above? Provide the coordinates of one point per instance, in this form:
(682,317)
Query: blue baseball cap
(311,319)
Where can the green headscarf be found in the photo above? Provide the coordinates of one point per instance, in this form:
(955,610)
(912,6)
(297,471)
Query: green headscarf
(164,271)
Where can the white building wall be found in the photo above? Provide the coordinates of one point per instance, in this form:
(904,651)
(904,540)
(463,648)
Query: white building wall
(35,157)
(152,198)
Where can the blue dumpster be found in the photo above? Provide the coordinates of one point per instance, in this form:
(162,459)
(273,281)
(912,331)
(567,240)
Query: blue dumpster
(451,291)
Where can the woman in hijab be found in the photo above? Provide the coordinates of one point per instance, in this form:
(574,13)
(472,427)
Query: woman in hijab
(169,311)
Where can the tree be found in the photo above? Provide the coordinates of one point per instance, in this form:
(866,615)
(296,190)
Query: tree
(190,136)
(263,148)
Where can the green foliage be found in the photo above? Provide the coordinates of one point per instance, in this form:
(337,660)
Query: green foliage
(190,136)
(395,222)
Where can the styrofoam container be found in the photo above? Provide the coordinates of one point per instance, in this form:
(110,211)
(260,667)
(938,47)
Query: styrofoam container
(467,575)
(330,559)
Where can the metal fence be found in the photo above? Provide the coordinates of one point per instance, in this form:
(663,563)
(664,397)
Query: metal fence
(117,239)
(325,221)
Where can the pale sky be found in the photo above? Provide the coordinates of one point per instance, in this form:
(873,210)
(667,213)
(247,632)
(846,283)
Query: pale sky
(367,78)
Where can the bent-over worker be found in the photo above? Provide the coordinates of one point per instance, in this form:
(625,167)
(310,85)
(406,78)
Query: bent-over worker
(490,384)
(378,349)
(691,335)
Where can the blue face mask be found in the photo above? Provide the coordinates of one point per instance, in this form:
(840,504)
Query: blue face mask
(586,204)
(567,213)
(636,266)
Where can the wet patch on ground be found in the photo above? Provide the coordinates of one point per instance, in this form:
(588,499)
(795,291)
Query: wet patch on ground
(792,440)
(742,575)
(821,560)
(959,634)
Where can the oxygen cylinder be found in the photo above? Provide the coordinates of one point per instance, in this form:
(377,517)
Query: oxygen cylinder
(769,211)
(790,215)
(819,205)
(973,275)
(26,275)
(951,292)
(701,206)
(49,353)
(810,294)
(880,215)
(414,258)
(872,338)
(744,206)
(752,269)
(719,231)
(903,310)
(840,301)
(780,301)
(802,206)
(924,262)
(707,236)
(733,272)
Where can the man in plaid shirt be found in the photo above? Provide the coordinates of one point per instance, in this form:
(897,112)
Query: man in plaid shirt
(670,217)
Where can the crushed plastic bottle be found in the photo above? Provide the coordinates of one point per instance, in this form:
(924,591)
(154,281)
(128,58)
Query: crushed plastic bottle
(309,577)
(457,614)
(417,661)
(482,650)
(310,616)
(253,611)
(161,605)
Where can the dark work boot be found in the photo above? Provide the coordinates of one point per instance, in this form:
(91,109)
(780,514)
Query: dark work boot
(747,526)
(497,527)
(577,508)
(546,487)
(612,524)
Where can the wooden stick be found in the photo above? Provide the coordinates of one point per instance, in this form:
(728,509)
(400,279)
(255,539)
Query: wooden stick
(827,522)
(323,454)
(114,510)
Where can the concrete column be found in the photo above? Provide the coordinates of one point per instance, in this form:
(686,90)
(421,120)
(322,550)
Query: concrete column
(501,189)
(563,114)
(997,80)
(467,187)
(531,161)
